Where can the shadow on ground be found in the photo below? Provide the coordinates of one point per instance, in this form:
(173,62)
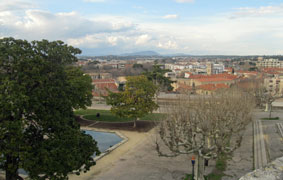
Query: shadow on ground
(142,126)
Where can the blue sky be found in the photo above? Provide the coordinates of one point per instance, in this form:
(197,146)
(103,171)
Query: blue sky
(198,27)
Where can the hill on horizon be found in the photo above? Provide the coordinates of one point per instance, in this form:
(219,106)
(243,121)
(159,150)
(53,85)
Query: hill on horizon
(141,53)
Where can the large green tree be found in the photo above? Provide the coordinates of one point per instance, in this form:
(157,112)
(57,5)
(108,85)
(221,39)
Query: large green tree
(157,77)
(38,91)
(136,100)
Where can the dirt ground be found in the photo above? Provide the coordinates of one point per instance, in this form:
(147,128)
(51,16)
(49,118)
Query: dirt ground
(137,159)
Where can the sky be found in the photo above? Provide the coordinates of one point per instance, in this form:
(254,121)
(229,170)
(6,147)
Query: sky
(104,27)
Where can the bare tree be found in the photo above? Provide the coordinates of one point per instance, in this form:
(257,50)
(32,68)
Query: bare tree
(206,126)
(263,96)
(255,87)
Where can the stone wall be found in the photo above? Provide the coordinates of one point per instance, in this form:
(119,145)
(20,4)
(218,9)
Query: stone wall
(273,171)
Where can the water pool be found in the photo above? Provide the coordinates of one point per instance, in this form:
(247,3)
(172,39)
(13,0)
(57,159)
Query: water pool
(104,140)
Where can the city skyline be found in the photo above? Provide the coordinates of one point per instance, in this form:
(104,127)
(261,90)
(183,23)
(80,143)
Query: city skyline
(196,27)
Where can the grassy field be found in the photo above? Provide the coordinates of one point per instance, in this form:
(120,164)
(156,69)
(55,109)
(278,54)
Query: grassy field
(272,118)
(107,116)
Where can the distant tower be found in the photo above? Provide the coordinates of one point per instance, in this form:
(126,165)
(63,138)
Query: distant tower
(209,68)
(260,58)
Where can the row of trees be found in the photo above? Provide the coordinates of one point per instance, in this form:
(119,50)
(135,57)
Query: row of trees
(205,126)
(39,90)
(257,89)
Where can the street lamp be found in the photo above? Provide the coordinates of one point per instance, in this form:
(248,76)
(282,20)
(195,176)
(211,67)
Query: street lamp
(193,169)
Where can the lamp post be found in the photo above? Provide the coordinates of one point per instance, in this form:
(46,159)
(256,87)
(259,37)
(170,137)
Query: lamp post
(193,169)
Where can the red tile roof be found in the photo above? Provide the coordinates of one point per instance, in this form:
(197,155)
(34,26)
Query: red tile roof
(273,70)
(110,86)
(183,87)
(223,75)
(247,72)
(212,87)
(214,79)
(188,73)
(102,85)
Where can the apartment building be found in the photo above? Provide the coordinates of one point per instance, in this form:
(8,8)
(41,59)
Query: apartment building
(274,84)
(269,63)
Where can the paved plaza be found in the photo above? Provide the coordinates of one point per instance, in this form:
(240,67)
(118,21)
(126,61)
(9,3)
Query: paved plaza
(138,159)
(243,157)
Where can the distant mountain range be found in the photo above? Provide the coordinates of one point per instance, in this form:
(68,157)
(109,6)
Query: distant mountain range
(177,54)
(152,53)
(141,53)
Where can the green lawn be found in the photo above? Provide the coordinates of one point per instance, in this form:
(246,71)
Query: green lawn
(106,115)
(272,118)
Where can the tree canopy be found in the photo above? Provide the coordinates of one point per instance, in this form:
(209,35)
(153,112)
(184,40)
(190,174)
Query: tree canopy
(158,78)
(136,100)
(206,126)
(39,90)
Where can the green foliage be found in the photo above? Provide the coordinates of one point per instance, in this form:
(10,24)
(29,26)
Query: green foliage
(38,91)
(80,85)
(252,63)
(214,176)
(158,78)
(272,118)
(253,69)
(221,162)
(107,116)
(121,87)
(136,66)
(220,167)
(136,100)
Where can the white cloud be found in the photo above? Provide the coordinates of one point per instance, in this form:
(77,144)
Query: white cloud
(112,40)
(221,35)
(170,16)
(260,32)
(15,5)
(142,39)
(38,24)
(168,45)
(184,1)
(261,11)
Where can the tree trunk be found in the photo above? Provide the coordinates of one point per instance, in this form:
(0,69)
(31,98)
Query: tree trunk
(135,123)
(156,100)
(270,110)
(200,168)
(12,169)
(266,107)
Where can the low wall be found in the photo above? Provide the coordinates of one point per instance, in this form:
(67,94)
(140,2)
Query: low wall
(273,171)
